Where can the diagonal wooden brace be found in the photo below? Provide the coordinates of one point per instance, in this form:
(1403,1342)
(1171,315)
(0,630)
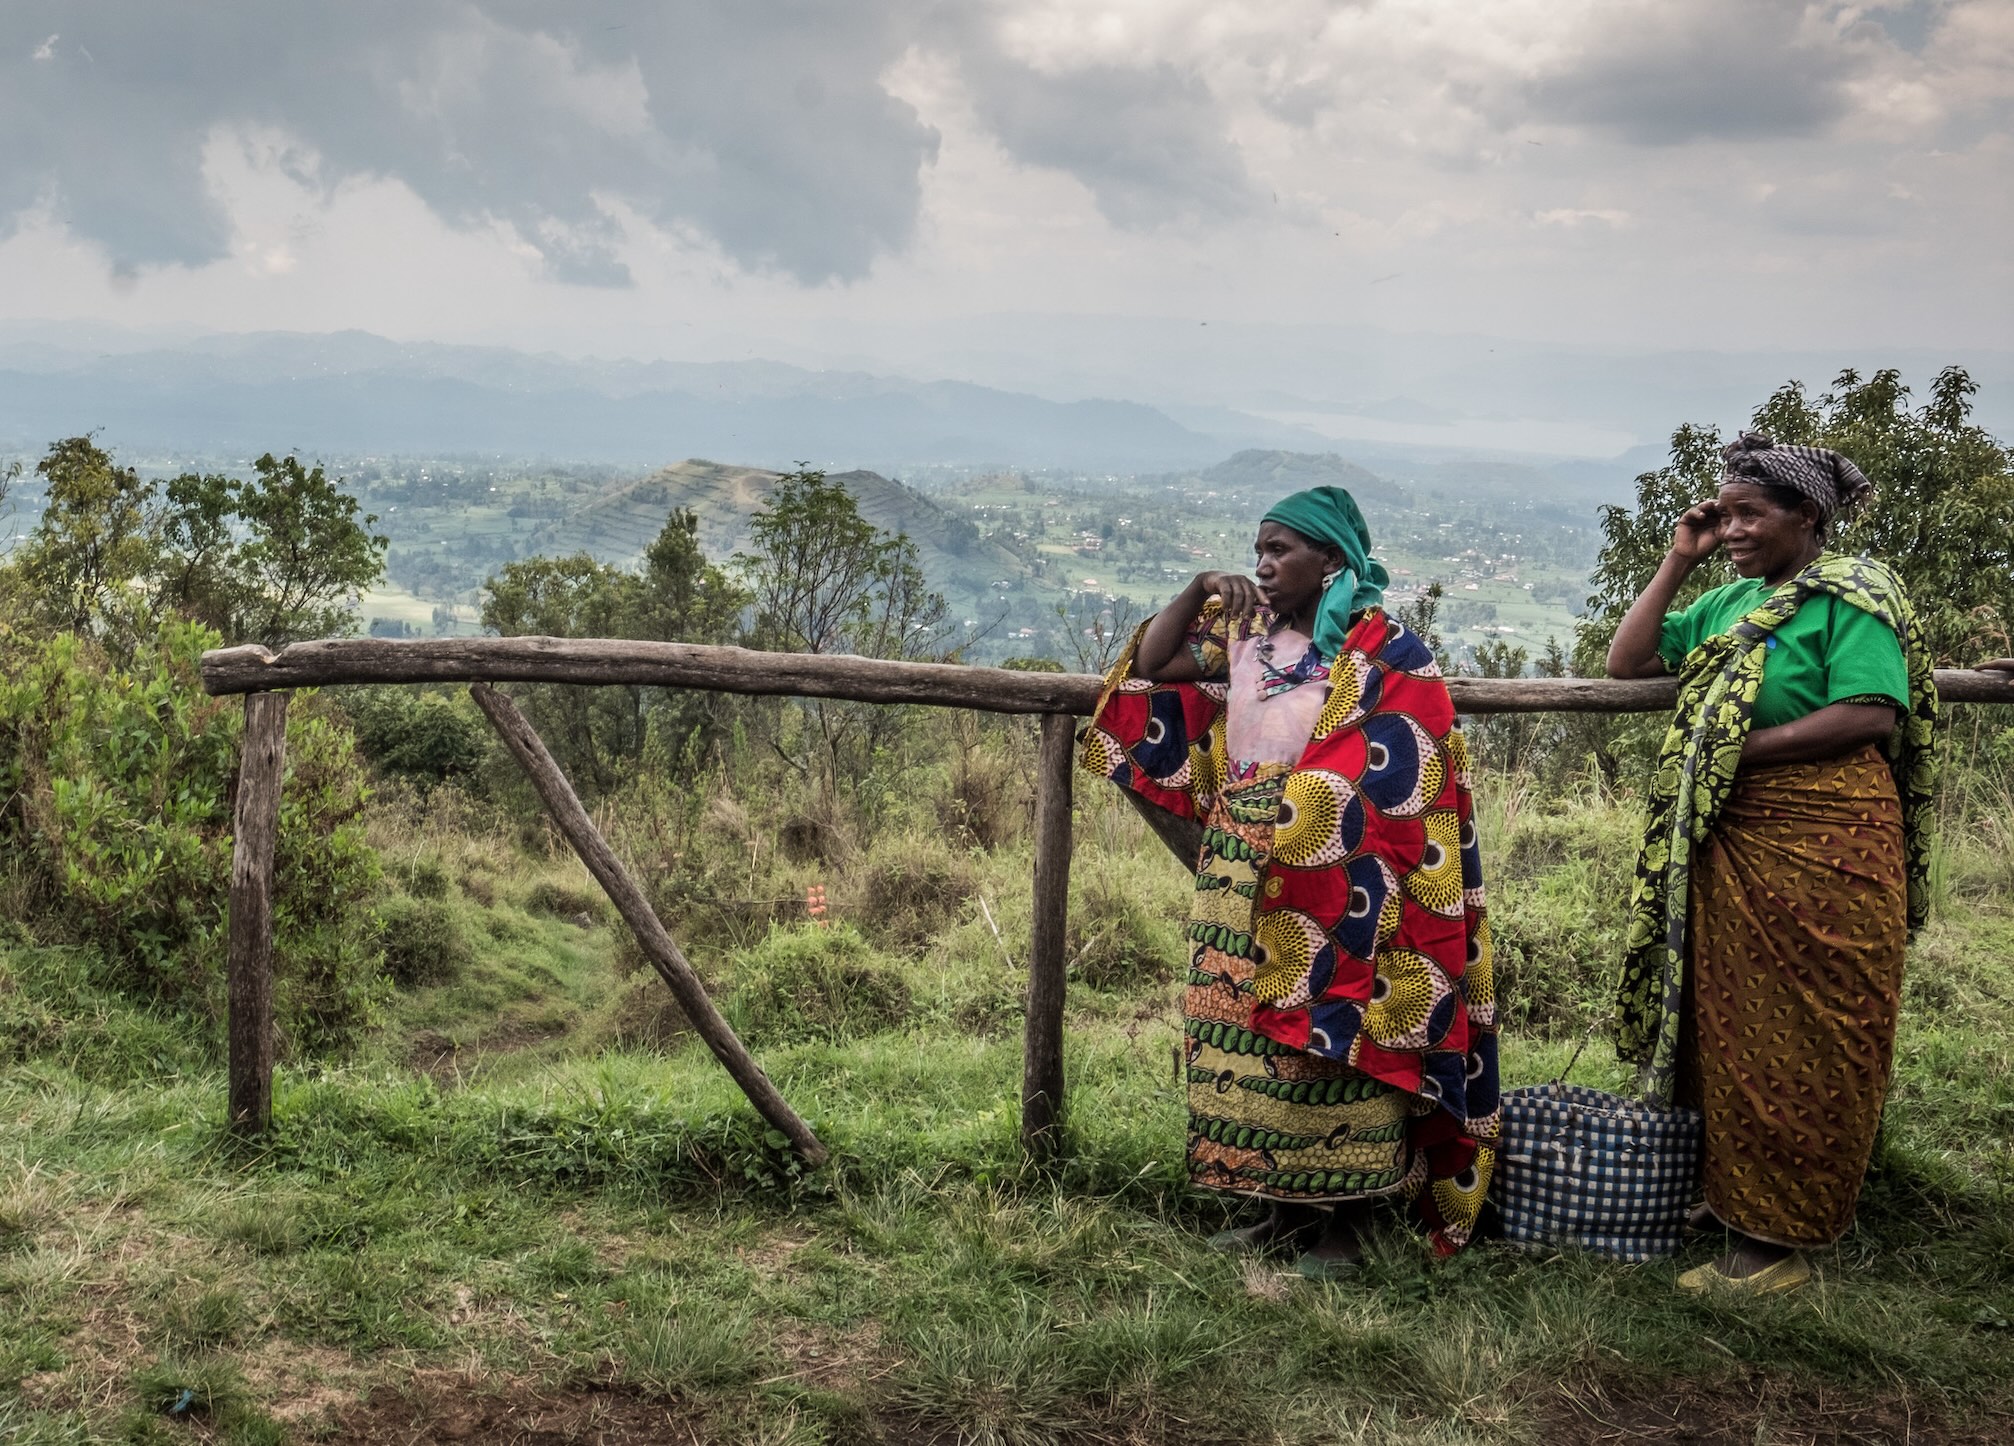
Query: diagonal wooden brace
(665,956)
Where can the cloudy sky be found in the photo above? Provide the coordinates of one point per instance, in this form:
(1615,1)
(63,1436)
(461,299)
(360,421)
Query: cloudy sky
(712,178)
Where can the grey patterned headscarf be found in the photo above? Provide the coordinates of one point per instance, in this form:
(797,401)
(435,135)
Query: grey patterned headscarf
(1833,484)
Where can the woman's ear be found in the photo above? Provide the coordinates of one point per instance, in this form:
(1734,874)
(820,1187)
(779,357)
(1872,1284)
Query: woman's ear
(1332,558)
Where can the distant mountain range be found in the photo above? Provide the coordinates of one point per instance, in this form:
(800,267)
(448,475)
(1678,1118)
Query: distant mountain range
(1447,413)
(354,393)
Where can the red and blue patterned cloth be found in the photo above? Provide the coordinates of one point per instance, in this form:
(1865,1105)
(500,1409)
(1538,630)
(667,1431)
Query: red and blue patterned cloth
(1370,932)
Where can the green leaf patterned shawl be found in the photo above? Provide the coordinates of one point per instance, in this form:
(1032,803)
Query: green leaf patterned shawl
(1695,774)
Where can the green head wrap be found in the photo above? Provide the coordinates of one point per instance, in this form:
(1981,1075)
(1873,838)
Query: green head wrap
(1329,514)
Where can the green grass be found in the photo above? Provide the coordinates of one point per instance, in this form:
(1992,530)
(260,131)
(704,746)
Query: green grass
(550,1218)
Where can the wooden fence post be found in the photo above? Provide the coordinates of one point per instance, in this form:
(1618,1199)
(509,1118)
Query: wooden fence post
(249,950)
(1042,1050)
(665,956)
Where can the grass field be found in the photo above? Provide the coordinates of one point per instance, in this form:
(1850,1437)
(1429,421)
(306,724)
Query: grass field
(530,1209)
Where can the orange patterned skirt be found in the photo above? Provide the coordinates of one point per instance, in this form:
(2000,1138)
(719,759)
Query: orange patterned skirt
(1798,926)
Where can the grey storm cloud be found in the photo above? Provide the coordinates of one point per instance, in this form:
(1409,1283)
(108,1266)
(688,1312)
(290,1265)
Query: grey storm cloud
(1148,143)
(1667,74)
(759,123)
(763,125)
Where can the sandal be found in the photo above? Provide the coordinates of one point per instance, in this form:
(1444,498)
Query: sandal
(1785,1274)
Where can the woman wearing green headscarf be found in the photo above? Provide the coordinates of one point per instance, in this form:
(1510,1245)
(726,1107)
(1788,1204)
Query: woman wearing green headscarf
(1339,1021)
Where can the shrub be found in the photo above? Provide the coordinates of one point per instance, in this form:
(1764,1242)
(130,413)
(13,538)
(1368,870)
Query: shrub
(807,983)
(424,876)
(1115,942)
(426,737)
(565,900)
(423,942)
(911,889)
(988,792)
(115,791)
(644,1014)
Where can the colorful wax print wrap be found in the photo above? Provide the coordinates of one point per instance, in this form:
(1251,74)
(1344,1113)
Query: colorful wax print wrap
(1695,773)
(1369,938)
(1331,515)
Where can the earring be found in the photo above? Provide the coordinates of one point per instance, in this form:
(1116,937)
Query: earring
(1329,578)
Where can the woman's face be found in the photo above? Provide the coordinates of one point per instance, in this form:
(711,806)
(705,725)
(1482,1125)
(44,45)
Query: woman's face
(1762,537)
(1290,568)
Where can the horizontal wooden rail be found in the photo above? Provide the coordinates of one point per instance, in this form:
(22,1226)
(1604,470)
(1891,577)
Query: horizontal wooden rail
(659,665)
(866,680)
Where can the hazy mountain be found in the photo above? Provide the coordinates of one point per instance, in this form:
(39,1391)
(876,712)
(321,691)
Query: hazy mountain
(355,393)
(1275,474)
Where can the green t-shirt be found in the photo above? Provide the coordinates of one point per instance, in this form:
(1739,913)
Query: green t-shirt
(1828,651)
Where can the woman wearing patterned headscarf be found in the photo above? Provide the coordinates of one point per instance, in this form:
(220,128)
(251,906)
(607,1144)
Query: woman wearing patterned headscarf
(1786,858)
(1339,1022)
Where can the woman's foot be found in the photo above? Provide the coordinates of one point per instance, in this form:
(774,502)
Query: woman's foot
(1750,1256)
(1701,1217)
(1340,1250)
(1284,1225)
(1751,1266)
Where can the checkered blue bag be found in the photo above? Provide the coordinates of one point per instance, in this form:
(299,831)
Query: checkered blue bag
(1584,1168)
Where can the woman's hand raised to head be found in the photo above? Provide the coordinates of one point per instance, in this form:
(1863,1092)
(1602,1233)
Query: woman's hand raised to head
(1163,655)
(1239,594)
(1697,535)
(1633,651)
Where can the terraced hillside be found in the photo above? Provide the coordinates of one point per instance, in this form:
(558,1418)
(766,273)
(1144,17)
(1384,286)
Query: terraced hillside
(618,523)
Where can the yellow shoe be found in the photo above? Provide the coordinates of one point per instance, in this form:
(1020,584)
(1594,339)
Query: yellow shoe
(1786,1274)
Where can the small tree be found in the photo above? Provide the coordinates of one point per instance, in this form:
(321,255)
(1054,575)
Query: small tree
(599,734)
(307,556)
(198,575)
(684,598)
(825,580)
(1096,629)
(594,732)
(95,538)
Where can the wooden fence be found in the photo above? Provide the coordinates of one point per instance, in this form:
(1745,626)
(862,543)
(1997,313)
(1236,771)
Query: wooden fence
(267,677)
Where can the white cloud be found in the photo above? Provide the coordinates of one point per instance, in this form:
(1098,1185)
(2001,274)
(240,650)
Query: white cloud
(1568,216)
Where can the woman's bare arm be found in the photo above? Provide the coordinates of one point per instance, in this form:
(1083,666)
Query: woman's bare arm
(1832,732)
(1633,651)
(1163,655)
